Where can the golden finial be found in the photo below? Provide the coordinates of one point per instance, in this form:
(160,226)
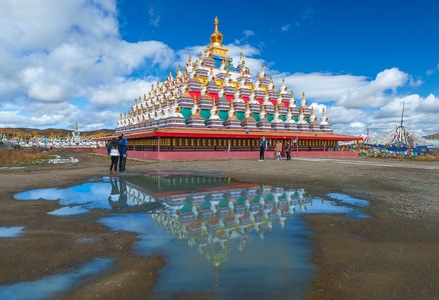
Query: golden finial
(303,95)
(216,37)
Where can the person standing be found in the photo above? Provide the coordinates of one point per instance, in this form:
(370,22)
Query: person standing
(123,142)
(287,150)
(278,150)
(262,146)
(113,151)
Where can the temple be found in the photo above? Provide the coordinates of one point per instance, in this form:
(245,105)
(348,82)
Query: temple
(211,109)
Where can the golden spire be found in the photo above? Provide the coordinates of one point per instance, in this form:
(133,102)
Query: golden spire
(216,39)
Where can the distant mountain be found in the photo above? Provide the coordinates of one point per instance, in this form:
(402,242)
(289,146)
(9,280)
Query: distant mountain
(432,136)
(31,132)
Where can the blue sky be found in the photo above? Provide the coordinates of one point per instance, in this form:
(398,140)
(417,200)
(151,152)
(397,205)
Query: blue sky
(84,61)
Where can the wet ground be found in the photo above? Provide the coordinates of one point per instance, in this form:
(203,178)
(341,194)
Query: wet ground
(386,249)
(234,239)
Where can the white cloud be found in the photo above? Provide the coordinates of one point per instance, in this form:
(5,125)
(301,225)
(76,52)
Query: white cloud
(285,28)
(322,86)
(373,93)
(154,18)
(120,95)
(248,33)
(82,56)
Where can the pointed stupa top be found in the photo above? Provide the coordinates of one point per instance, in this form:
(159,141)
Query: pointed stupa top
(216,39)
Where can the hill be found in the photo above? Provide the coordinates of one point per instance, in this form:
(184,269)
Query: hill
(54,132)
(432,136)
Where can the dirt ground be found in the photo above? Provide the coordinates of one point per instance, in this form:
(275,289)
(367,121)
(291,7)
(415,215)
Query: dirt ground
(393,255)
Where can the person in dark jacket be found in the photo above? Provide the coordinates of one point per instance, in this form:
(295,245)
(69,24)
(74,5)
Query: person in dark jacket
(287,150)
(262,147)
(123,142)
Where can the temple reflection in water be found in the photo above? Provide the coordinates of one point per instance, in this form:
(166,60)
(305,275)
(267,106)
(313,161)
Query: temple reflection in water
(244,231)
(213,215)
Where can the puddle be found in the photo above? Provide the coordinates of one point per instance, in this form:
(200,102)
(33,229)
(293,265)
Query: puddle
(256,261)
(6,232)
(50,286)
(221,238)
(105,193)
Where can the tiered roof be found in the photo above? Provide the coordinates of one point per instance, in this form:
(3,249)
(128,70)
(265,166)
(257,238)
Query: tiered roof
(211,87)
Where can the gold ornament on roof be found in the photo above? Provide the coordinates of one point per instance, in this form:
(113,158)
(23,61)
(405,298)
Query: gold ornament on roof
(216,39)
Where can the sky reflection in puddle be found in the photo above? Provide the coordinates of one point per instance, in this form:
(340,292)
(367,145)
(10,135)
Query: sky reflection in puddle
(49,286)
(219,236)
(6,232)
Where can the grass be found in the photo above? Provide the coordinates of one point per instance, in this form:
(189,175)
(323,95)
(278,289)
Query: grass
(13,158)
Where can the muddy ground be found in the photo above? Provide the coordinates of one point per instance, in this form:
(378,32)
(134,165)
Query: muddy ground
(393,255)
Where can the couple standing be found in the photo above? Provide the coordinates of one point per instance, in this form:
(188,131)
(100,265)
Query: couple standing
(278,149)
(117,149)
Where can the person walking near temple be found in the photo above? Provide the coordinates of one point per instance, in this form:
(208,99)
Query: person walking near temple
(113,151)
(262,146)
(278,150)
(287,150)
(123,142)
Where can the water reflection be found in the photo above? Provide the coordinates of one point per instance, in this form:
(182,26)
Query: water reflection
(104,193)
(51,285)
(6,232)
(118,197)
(220,237)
